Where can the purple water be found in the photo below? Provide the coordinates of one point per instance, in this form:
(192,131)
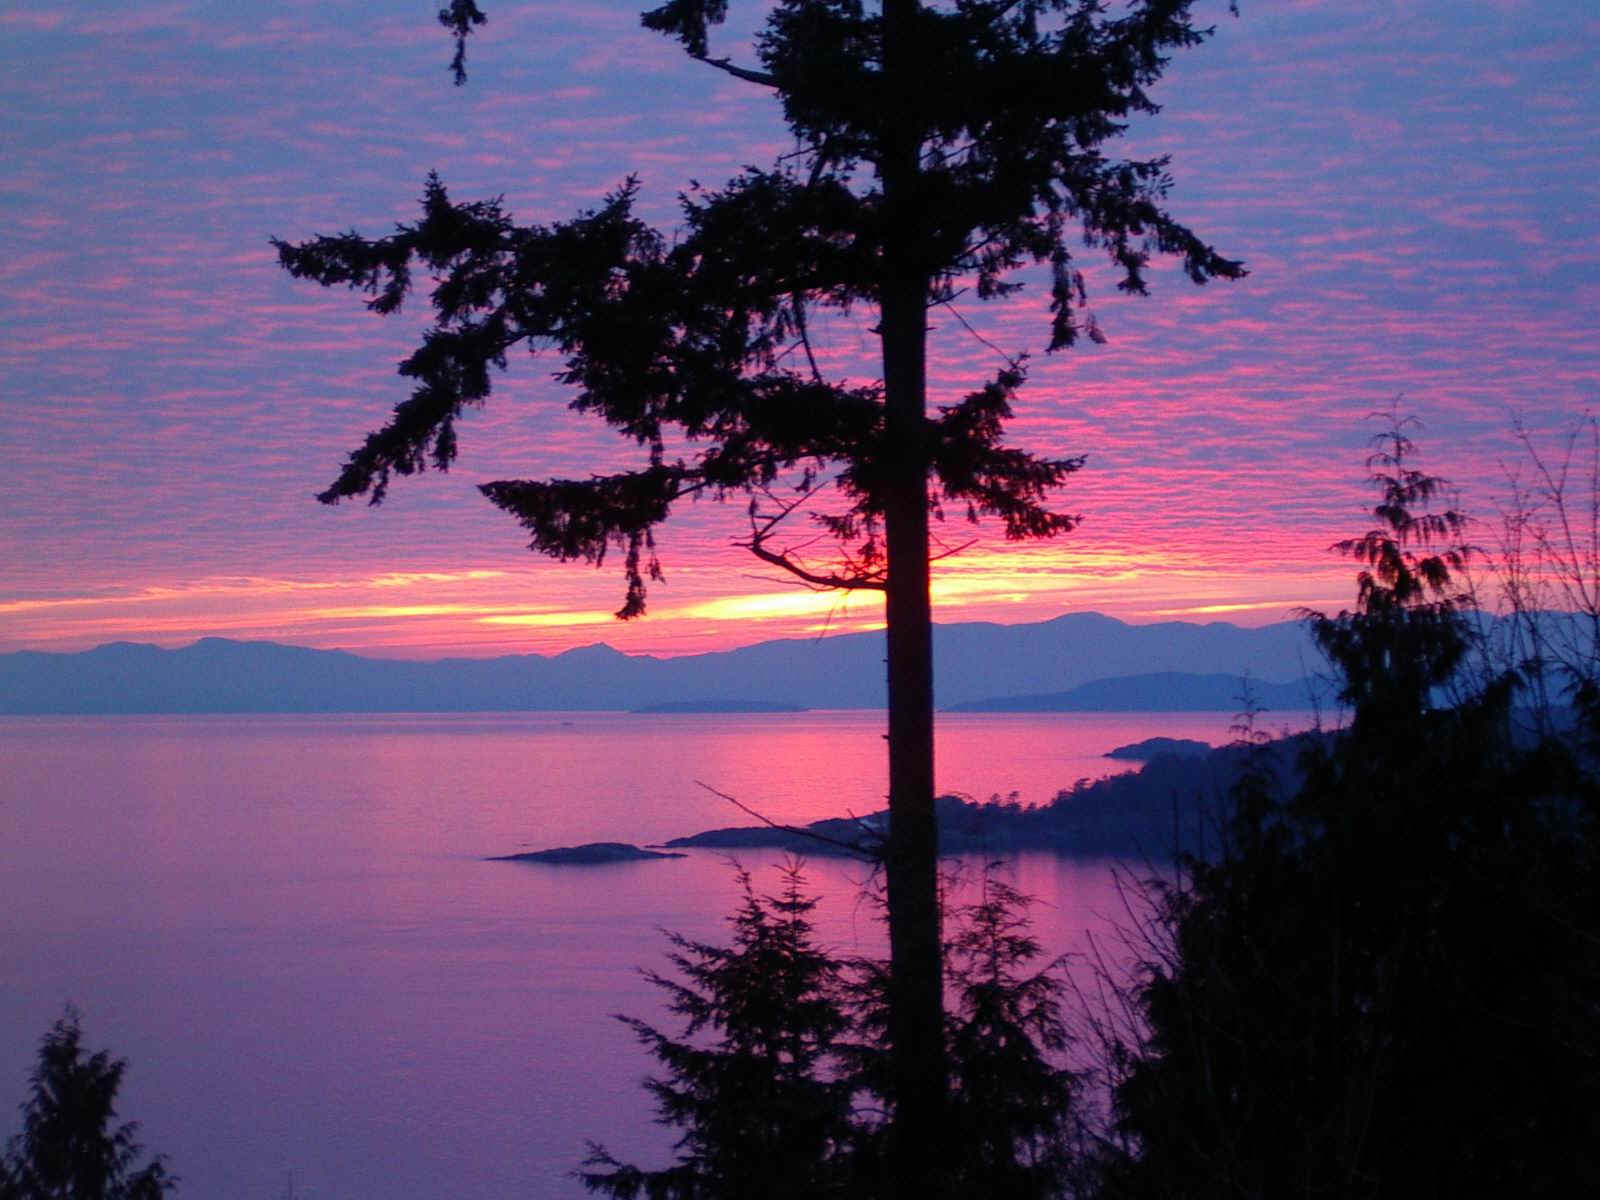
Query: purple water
(286,925)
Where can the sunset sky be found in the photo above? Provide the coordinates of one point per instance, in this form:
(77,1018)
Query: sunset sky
(1413,184)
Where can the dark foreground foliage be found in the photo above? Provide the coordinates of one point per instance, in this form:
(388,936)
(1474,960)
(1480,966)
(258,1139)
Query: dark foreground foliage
(1388,983)
(1381,979)
(762,1107)
(70,1147)
(780,1084)
(1014,1121)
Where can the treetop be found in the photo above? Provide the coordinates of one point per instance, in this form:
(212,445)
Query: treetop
(696,345)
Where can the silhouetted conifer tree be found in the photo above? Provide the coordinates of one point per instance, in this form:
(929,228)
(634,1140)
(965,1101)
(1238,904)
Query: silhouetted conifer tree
(753,1080)
(1014,1117)
(1015,1128)
(70,1147)
(938,147)
(780,1079)
(1389,983)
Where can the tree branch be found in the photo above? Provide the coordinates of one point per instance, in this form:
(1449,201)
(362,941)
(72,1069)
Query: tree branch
(863,850)
(1012,361)
(952,551)
(813,579)
(749,76)
(761,528)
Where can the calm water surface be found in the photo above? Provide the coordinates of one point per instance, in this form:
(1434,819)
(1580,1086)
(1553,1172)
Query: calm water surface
(285,922)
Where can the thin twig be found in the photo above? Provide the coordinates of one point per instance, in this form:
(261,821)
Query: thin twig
(1014,363)
(761,527)
(952,551)
(855,848)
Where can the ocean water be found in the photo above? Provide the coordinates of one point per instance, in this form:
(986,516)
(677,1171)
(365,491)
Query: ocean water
(287,926)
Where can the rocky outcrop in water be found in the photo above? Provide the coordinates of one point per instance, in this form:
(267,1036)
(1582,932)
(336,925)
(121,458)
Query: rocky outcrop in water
(1153,747)
(1174,804)
(588,854)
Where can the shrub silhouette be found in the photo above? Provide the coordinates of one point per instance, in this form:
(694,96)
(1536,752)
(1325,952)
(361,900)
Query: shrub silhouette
(70,1147)
(780,1081)
(761,1109)
(1388,984)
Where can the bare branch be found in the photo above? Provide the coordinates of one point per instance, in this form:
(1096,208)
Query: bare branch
(813,579)
(761,527)
(749,76)
(805,337)
(1011,361)
(952,551)
(860,849)
(824,581)
(819,163)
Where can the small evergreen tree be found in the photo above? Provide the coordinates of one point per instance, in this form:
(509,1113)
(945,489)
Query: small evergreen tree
(69,1147)
(1013,1121)
(1409,632)
(1015,1129)
(753,1080)
(792,1093)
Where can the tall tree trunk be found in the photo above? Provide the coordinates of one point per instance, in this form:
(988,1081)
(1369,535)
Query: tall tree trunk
(916,1000)
(916,1009)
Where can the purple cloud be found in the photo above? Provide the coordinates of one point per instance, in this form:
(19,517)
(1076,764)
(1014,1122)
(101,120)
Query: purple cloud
(1415,190)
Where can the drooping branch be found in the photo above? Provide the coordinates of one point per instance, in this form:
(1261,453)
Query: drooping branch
(582,519)
(687,20)
(976,469)
(460,18)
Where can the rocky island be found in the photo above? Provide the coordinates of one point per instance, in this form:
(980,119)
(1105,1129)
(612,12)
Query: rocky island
(1152,747)
(588,854)
(1175,803)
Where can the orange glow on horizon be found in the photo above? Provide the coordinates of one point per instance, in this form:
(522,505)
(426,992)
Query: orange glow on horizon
(479,612)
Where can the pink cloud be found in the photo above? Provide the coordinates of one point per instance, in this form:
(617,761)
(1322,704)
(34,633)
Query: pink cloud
(32,20)
(177,399)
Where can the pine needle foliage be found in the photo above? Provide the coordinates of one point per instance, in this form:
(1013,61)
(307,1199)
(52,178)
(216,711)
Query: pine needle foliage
(779,1082)
(71,1147)
(751,1080)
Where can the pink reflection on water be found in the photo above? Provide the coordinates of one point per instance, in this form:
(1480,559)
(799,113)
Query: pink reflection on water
(286,923)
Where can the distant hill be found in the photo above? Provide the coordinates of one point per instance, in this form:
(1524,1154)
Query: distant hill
(972,660)
(1162,691)
(719,706)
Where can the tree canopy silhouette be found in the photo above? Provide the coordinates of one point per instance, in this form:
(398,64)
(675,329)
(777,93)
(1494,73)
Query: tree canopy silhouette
(69,1146)
(1387,983)
(938,149)
(750,1082)
(777,1085)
